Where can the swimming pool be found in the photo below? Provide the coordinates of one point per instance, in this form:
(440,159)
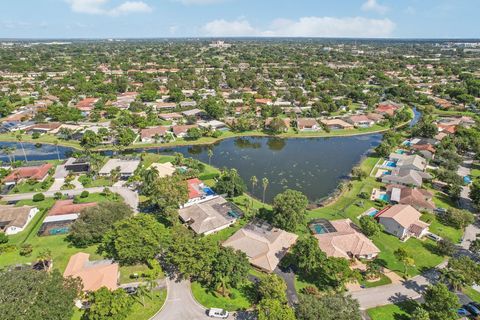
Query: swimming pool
(390,164)
(319,229)
(373,213)
(384,197)
(400,151)
(467,180)
(208,191)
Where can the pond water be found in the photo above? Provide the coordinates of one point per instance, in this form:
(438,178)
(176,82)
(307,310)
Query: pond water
(314,166)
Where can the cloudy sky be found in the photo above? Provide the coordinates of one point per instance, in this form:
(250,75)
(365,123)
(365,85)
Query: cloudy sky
(222,18)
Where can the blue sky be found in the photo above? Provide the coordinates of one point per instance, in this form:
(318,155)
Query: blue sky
(203,18)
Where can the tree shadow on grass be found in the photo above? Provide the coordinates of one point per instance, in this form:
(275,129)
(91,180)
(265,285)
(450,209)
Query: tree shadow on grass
(408,306)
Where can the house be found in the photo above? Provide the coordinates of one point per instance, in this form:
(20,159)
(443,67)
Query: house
(94,274)
(286,122)
(263,244)
(181,131)
(197,113)
(198,192)
(86,105)
(361,121)
(127,167)
(149,135)
(375,117)
(346,241)
(408,162)
(170,116)
(406,177)
(307,124)
(188,104)
(420,199)
(336,124)
(15,219)
(77,165)
(165,106)
(38,173)
(210,216)
(164,169)
(386,109)
(43,128)
(61,216)
(403,221)
(426,150)
(213,124)
(265,102)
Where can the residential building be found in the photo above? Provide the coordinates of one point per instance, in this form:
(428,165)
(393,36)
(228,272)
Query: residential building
(263,244)
(15,219)
(94,274)
(149,135)
(361,121)
(181,131)
(420,199)
(38,173)
(406,177)
(346,241)
(164,169)
(198,192)
(336,124)
(307,124)
(210,216)
(61,216)
(77,165)
(127,167)
(403,221)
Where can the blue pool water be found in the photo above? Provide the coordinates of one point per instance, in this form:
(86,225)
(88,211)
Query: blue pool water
(384,197)
(467,180)
(391,164)
(400,151)
(208,191)
(319,229)
(373,213)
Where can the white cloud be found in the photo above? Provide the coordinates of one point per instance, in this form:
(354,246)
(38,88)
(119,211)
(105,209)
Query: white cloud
(305,27)
(239,27)
(98,7)
(373,5)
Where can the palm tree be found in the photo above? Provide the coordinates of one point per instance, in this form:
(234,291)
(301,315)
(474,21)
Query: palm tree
(233,177)
(265,185)
(141,292)
(56,146)
(454,279)
(44,257)
(115,174)
(254,182)
(210,155)
(8,151)
(19,139)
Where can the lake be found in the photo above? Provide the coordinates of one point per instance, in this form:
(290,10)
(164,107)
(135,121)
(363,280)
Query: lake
(314,166)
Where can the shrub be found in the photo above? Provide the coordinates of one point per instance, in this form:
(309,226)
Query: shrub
(3,238)
(38,197)
(26,249)
(84,194)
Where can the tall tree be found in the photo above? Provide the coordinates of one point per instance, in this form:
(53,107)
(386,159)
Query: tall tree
(440,303)
(327,307)
(289,209)
(106,304)
(27,294)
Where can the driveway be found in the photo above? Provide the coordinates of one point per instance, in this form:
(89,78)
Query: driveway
(289,277)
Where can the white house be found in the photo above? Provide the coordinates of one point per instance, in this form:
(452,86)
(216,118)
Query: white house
(15,219)
(403,221)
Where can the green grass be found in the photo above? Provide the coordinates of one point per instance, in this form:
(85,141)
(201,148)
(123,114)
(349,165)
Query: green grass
(238,299)
(127,271)
(400,311)
(475,173)
(98,182)
(442,230)
(45,138)
(26,186)
(384,280)
(420,250)
(153,303)
(472,294)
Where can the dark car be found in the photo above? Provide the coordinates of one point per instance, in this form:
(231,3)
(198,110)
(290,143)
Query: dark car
(472,309)
(130,290)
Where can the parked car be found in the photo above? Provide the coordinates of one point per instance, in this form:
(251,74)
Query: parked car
(218,313)
(130,290)
(472,309)
(433,236)
(463,312)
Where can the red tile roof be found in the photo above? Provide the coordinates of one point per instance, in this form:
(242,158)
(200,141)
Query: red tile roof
(151,132)
(62,207)
(36,173)
(86,104)
(193,188)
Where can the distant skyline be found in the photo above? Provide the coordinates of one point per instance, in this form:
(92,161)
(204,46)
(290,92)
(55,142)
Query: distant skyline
(239,18)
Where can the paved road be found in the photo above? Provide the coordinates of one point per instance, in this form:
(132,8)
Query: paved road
(130,197)
(180,304)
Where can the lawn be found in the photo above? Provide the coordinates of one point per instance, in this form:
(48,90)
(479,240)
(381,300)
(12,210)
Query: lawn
(384,280)
(32,186)
(475,173)
(400,311)
(420,250)
(472,294)
(442,230)
(153,303)
(92,183)
(238,299)
(126,273)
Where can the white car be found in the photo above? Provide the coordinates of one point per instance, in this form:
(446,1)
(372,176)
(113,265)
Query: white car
(218,313)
